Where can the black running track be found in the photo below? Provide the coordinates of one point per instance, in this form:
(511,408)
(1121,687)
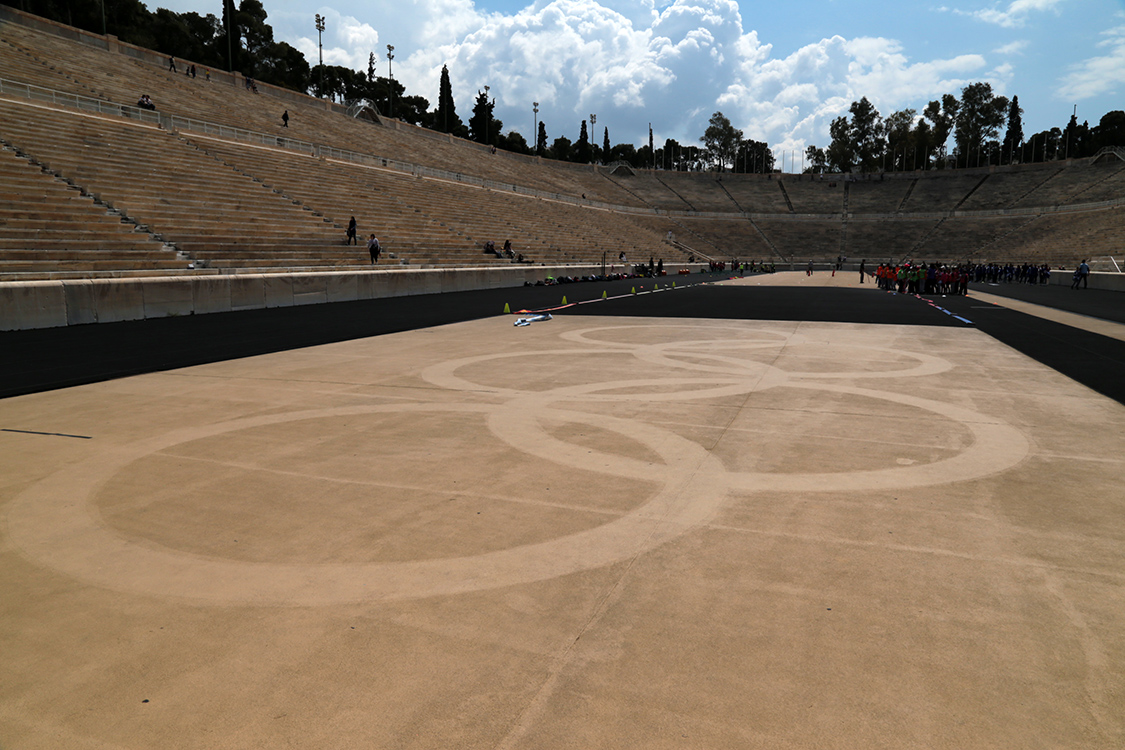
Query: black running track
(32,361)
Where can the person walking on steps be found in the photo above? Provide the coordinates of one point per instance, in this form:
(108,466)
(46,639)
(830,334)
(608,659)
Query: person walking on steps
(171,64)
(351,240)
(373,249)
(285,119)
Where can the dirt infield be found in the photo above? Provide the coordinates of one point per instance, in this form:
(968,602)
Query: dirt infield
(591,532)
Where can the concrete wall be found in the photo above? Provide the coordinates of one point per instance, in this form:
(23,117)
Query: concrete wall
(1114,282)
(47,304)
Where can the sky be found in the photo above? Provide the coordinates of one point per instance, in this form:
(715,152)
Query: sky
(780,71)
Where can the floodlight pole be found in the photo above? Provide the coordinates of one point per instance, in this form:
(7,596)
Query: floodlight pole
(593,121)
(535,125)
(320,47)
(391,75)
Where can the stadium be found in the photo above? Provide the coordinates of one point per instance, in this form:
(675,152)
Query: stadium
(261,488)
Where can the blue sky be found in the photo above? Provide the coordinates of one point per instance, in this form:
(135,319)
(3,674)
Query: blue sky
(781,71)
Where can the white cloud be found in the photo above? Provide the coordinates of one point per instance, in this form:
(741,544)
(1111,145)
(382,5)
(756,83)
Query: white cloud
(1097,75)
(1012,48)
(633,62)
(1015,15)
(347,41)
(792,100)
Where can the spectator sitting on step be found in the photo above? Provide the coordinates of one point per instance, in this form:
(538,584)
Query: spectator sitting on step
(508,249)
(145,103)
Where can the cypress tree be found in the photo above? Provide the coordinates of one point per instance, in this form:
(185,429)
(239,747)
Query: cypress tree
(582,148)
(1013,136)
(445,116)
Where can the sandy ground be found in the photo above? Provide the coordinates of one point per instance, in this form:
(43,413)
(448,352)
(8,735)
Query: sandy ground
(585,533)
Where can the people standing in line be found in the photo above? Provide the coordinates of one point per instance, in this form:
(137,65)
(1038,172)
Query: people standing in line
(285,119)
(373,249)
(351,240)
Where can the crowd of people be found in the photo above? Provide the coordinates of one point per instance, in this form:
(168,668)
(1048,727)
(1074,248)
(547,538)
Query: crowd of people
(940,278)
(740,267)
(994,273)
(919,278)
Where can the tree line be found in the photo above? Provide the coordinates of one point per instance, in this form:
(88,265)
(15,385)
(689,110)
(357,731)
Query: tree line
(863,140)
(985,129)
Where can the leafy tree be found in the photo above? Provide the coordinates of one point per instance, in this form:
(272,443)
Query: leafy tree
(924,145)
(667,156)
(942,115)
(867,135)
(257,35)
(817,161)
(1076,139)
(753,157)
(187,36)
(340,84)
(1110,131)
(643,158)
(483,126)
(979,119)
(721,141)
(514,142)
(561,149)
(900,139)
(582,152)
(1042,146)
(283,65)
(541,139)
(841,152)
(378,92)
(625,152)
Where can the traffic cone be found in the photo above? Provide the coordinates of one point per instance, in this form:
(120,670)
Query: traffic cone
(564,299)
(604,294)
(507,310)
(634,290)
